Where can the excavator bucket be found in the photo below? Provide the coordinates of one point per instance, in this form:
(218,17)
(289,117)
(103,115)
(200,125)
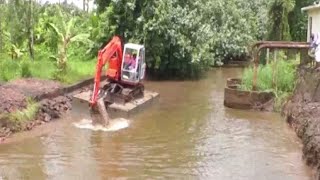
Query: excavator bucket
(99,114)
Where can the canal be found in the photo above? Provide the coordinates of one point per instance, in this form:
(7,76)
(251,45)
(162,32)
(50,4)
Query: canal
(187,134)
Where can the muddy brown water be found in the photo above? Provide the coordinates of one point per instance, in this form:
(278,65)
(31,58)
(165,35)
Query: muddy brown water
(187,134)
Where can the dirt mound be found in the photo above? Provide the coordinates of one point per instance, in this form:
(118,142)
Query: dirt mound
(13,95)
(303,112)
(51,96)
(32,87)
(11,100)
(53,108)
(50,109)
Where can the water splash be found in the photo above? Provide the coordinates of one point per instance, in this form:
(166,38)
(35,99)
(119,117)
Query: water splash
(114,125)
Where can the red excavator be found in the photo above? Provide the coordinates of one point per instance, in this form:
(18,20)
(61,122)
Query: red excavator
(125,71)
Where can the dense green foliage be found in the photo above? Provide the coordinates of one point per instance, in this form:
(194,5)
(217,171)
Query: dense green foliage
(57,35)
(182,38)
(298,20)
(278,14)
(278,77)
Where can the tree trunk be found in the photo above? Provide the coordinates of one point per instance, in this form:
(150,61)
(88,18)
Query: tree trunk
(30,31)
(1,40)
(1,30)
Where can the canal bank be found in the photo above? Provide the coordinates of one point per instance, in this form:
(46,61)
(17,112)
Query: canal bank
(302,112)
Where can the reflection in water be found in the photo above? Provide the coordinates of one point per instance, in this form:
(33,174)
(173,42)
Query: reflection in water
(187,134)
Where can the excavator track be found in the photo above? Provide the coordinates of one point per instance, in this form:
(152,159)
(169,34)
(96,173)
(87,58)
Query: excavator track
(121,94)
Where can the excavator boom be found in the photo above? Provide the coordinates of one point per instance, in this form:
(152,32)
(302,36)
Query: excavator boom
(111,53)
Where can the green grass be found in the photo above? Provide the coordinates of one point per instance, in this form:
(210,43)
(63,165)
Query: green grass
(45,69)
(15,120)
(284,81)
(25,115)
(79,70)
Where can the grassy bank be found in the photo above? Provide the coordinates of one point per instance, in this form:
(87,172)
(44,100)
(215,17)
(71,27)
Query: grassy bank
(17,119)
(45,69)
(277,77)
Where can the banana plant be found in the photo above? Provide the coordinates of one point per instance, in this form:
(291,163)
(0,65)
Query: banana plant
(16,52)
(66,35)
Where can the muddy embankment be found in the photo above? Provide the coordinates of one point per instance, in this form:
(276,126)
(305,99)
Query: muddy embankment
(53,101)
(302,112)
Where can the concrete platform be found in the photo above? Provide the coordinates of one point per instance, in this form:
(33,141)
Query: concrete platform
(119,110)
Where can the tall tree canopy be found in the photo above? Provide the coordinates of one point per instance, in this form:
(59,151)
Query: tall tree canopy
(298,20)
(278,19)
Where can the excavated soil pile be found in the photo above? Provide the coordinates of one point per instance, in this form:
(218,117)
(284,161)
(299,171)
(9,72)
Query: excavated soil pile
(32,87)
(14,95)
(11,100)
(303,114)
(54,108)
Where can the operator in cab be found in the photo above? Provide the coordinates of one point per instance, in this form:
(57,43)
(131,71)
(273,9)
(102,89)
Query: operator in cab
(132,62)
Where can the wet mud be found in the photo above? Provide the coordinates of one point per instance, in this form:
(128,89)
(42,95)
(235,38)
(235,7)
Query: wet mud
(302,112)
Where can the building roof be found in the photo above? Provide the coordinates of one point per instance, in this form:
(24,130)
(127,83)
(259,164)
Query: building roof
(316,5)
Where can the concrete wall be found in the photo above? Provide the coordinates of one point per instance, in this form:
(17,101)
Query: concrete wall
(314,24)
(238,99)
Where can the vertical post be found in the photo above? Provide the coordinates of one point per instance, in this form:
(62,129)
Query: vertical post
(30,31)
(298,56)
(304,57)
(255,71)
(1,41)
(274,69)
(255,76)
(268,55)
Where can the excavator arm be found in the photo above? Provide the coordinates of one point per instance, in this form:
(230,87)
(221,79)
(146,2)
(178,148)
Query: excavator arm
(111,54)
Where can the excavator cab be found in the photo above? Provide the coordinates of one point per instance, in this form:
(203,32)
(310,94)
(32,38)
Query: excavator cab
(133,63)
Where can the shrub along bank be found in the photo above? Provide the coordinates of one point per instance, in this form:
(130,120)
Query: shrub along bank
(278,77)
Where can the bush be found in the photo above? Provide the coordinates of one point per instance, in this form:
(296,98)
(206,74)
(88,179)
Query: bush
(10,69)
(282,84)
(25,70)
